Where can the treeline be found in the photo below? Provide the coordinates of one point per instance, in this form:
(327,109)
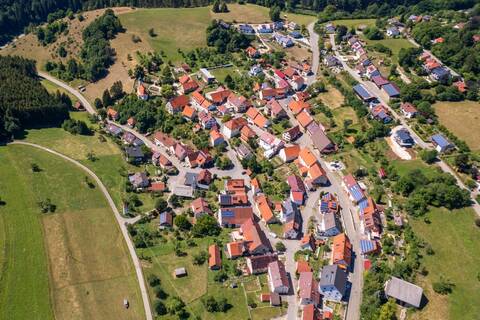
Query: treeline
(226,40)
(24,102)
(96,54)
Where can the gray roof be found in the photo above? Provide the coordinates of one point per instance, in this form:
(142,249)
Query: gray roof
(330,221)
(333,275)
(183,191)
(321,141)
(404,291)
(134,152)
(190,179)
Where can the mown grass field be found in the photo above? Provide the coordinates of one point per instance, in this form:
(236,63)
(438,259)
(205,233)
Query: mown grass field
(456,242)
(184,28)
(349,23)
(71,264)
(462,119)
(53,88)
(393,44)
(109,161)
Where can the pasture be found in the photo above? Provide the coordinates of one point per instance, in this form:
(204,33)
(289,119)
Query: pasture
(462,119)
(72,263)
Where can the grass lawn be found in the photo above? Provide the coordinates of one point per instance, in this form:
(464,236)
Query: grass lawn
(333,98)
(109,159)
(355,22)
(72,263)
(184,28)
(53,88)
(394,44)
(221,73)
(456,242)
(462,119)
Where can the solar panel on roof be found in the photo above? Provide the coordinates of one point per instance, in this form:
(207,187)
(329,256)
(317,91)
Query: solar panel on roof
(366,246)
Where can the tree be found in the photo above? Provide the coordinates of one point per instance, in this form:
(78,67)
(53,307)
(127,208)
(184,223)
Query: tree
(373,33)
(223,7)
(151,33)
(275,13)
(35,167)
(220,276)
(206,226)
(161,204)
(429,156)
(216,6)
(388,311)
(153,280)
(229,82)
(200,258)
(182,222)
(98,103)
(159,292)
(443,286)
(159,307)
(116,91)
(223,304)
(210,304)
(174,305)
(62,52)
(106,98)
(279,246)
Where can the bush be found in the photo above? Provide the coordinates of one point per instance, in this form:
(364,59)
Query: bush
(159,307)
(159,292)
(429,156)
(153,280)
(443,287)
(200,258)
(76,127)
(220,276)
(47,206)
(182,222)
(279,246)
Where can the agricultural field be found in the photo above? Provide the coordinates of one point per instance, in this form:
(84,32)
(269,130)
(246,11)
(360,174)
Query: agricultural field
(462,119)
(72,263)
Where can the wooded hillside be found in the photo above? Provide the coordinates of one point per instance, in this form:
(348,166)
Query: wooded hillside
(24,102)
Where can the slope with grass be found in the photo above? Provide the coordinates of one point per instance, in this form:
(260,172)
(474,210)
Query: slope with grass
(72,263)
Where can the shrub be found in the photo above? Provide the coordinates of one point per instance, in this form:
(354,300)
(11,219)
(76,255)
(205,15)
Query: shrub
(153,280)
(443,286)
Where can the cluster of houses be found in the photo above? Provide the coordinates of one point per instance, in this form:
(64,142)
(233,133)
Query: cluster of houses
(434,68)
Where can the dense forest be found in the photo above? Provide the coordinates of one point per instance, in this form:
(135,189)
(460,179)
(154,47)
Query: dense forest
(24,102)
(15,15)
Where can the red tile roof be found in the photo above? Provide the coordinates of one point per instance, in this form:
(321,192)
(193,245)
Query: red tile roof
(214,261)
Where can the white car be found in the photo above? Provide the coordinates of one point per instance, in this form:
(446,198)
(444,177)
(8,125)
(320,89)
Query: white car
(273,235)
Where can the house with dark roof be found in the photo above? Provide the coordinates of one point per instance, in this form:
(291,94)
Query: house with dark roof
(139,180)
(291,134)
(322,142)
(440,143)
(165,219)
(259,264)
(440,74)
(333,283)
(405,293)
(363,93)
(353,189)
(114,130)
(329,225)
(391,89)
(134,154)
(403,138)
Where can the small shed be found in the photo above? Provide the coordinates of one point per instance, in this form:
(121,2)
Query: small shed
(180,272)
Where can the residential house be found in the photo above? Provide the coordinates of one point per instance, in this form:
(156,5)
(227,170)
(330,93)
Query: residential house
(461,86)
(160,160)
(309,312)
(405,293)
(259,264)
(302,266)
(201,103)
(306,158)
(200,159)
(440,74)
(282,40)
(408,110)
(264,28)
(131,139)
(181,151)
(328,203)
(277,278)
(187,84)
(298,106)
(308,242)
(252,53)
(243,152)
(293,26)
(247,133)
(353,189)
(165,219)
(316,175)
(237,103)
(189,113)
(263,206)
(297,189)
(112,114)
(363,93)
(218,96)
(206,75)
(134,154)
(176,104)
(255,70)
(206,120)
(164,140)
(289,153)
(139,180)
(370,221)
(204,178)
(288,211)
(342,251)
(291,134)
(216,138)
(441,144)
(380,113)
(276,110)
(392,90)
(234,216)
(321,141)
(297,83)
(393,32)
(330,28)
(304,119)
(131,122)
(333,283)
(329,225)
(114,130)
(255,186)
(200,208)
(246,28)
(403,138)
(270,144)
(235,249)
(255,240)
(379,81)
(307,289)
(232,127)
(331,61)
(292,228)
(215,259)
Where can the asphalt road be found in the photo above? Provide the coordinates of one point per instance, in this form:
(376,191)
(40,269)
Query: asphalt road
(382,97)
(118,217)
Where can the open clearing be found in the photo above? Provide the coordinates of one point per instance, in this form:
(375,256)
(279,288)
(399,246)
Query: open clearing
(109,161)
(394,44)
(184,28)
(72,263)
(456,242)
(349,23)
(462,119)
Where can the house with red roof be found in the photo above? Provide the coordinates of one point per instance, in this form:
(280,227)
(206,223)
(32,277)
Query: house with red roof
(235,249)
(255,240)
(216,138)
(234,216)
(263,206)
(200,208)
(237,103)
(342,251)
(201,103)
(112,114)
(307,289)
(276,110)
(215,259)
(289,153)
(408,110)
(232,127)
(259,264)
(176,104)
(218,96)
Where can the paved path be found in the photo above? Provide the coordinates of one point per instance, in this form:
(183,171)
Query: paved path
(65,86)
(382,97)
(118,217)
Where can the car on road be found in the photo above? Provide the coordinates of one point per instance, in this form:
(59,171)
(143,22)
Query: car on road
(273,235)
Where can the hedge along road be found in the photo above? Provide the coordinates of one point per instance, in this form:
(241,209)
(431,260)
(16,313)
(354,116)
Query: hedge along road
(119,218)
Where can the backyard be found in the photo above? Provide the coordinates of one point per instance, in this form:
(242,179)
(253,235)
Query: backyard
(64,261)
